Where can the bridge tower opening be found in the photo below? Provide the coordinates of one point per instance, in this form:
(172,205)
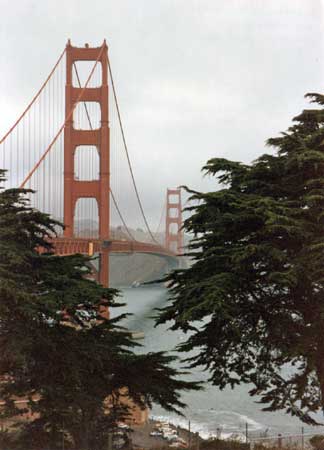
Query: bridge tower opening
(173,222)
(74,188)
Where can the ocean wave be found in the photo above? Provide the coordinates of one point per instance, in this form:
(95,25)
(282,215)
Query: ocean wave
(230,423)
(195,427)
(241,418)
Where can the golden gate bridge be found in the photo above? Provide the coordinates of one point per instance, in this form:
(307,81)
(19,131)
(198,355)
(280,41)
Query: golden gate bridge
(69,147)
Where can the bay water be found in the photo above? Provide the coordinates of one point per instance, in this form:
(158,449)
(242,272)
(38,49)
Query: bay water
(210,411)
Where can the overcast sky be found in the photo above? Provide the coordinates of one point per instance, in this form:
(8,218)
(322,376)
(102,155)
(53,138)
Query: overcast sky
(196,78)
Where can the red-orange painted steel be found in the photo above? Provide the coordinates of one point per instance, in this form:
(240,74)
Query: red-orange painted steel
(69,246)
(99,189)
(170,237)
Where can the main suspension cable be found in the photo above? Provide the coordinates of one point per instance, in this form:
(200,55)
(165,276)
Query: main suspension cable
(84,103)
(34,99)
(161,218)
(127,153)
(68,117)
(121,217)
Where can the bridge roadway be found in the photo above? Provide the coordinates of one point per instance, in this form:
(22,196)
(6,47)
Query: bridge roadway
(68,246)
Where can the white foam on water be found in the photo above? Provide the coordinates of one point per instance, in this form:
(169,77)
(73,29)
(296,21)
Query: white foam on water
(255,426)
(239,437)
(227,430)
(177,421)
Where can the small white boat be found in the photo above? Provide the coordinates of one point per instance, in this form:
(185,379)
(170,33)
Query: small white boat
(138,334)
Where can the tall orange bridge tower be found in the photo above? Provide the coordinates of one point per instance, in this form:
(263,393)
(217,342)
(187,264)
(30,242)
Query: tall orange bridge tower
(75,189)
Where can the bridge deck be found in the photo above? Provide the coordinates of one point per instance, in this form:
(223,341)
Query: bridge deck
(68,246)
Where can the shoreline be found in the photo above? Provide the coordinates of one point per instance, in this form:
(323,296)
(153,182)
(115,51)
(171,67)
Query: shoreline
(141,435)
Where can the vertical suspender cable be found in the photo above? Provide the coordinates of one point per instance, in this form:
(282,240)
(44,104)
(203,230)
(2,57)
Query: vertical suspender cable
(127,153)
(33,100)
(63,125)
(112,195)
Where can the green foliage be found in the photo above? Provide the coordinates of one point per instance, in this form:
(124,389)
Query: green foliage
(66,368)
(254,296)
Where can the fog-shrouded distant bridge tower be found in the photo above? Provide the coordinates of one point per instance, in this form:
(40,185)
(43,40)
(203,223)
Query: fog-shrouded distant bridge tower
(173,221)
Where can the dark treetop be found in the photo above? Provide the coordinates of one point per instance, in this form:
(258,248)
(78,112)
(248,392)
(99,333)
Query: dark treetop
(56,349)
(254,296)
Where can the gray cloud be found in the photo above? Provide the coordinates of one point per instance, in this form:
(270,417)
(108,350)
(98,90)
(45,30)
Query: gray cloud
(196,78)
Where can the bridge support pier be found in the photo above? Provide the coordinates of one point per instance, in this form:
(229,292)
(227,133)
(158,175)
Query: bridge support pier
(104,268)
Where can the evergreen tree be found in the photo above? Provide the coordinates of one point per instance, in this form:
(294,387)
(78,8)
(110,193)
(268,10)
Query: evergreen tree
(57,350)
(253,298)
